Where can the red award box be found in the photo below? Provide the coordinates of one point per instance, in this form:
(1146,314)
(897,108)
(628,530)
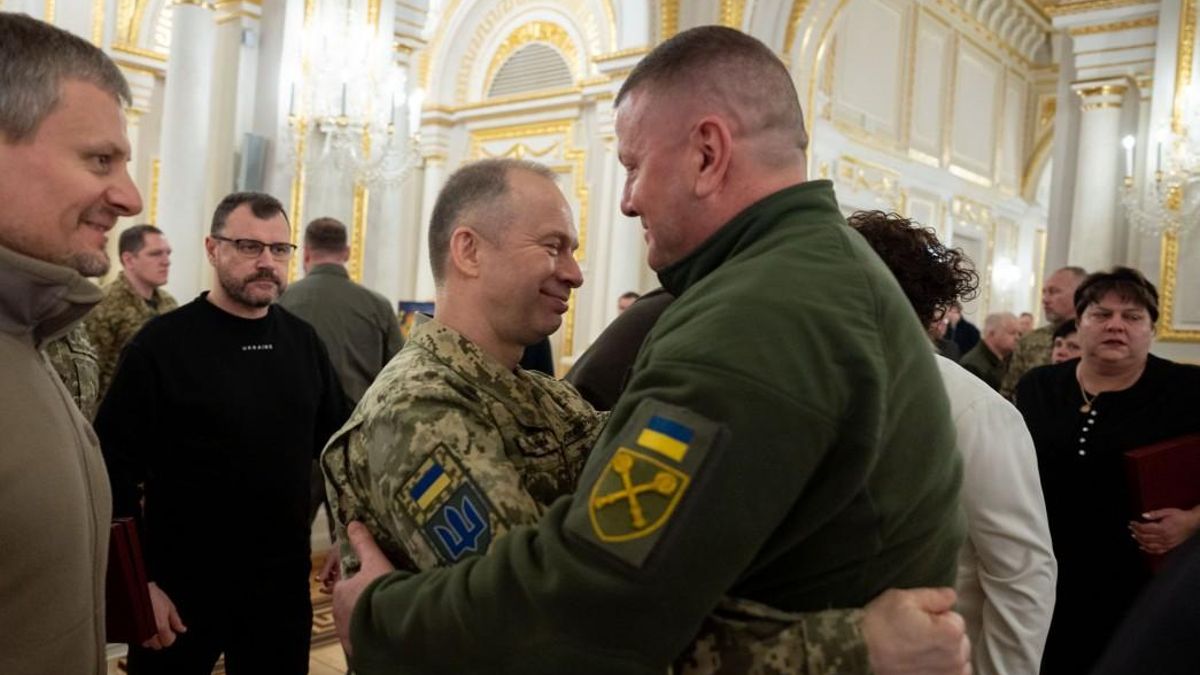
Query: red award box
(129,616)
(1164,475)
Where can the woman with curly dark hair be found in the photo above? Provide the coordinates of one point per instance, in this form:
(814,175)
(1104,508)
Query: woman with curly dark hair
(1006,569)
(1084,415)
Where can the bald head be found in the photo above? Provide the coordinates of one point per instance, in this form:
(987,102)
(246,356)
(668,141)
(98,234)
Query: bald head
(726,70)
(1000,332)
(1058,293)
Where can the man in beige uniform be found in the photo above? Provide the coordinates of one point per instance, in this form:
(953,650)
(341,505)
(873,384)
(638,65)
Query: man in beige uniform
(1033,350)
(63,182)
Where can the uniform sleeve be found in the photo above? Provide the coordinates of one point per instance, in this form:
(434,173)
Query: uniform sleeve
(1008,527)
(1024,357)
(686,484)
(393,341)
(102,334)
(126,425)
(430,480)
(745,637)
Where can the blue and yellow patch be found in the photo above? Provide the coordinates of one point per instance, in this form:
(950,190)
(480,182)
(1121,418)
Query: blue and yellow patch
(450,511)
(640,485)
(666,437)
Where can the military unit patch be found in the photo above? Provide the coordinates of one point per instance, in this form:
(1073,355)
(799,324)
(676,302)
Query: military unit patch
(637,490)
(634,496)
(451,513)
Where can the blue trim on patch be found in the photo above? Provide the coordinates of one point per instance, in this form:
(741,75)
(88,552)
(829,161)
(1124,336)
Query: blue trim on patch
(426,481)
(671,428)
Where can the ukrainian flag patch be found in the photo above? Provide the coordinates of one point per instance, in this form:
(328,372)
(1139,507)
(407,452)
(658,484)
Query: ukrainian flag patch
(637,483)
(431,482)
(666,437)
(452,513)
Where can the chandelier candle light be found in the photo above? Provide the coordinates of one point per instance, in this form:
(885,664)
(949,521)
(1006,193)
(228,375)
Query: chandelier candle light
(351,95)
(1172,204)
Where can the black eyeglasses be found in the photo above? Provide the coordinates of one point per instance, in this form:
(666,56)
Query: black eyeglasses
(252,248)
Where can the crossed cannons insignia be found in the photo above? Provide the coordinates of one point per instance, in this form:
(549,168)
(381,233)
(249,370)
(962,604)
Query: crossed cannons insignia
(634,496)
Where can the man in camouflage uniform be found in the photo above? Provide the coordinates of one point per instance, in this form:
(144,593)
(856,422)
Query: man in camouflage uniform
(132,299)
(74,360)
(454,444)
(1033,350)
(452,447)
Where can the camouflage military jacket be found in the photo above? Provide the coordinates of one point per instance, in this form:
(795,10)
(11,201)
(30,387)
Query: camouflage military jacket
(118,317)
(448,450)
(1032,351)
(742,637)
(74,360)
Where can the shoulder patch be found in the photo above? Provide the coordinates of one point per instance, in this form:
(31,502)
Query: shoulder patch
(640,479)
(451,512)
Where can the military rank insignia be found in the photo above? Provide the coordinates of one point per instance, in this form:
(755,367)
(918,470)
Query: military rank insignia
(638,489)
(454,517)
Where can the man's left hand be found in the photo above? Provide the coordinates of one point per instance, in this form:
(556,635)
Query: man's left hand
(1168,528)
(346,591)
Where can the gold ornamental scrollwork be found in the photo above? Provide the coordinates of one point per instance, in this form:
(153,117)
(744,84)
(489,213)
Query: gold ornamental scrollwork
(542,32)
(1169,258)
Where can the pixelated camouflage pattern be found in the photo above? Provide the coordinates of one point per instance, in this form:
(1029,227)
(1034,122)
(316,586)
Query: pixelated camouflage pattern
(521,438)
(118,317)
(1032,350)
(747,638)
(74,360)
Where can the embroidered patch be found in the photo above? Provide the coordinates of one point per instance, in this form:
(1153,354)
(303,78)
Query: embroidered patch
(634,496)
(452,514)
(461,526)
(640,478)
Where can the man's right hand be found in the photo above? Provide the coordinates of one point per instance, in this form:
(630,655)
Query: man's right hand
(916,631)
(166,619)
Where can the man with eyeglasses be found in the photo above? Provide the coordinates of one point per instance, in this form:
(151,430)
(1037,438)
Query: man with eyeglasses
(219,407)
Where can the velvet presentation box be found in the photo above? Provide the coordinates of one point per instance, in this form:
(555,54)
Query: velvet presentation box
(129,616)
(1164,475)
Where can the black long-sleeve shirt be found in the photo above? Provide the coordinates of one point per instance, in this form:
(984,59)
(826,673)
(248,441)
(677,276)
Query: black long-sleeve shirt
(221,417)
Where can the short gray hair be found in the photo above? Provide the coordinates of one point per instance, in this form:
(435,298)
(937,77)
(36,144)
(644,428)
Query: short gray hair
(475,186)
(994,322)
(734,70)
(35,59)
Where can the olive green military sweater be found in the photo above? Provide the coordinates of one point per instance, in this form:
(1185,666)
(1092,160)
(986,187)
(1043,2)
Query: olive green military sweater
(784,438)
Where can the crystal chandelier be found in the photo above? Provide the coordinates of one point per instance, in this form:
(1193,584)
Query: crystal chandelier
(1172,204)
(350,110)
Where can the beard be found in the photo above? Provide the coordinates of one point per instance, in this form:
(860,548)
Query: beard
(239,291)
(89,263)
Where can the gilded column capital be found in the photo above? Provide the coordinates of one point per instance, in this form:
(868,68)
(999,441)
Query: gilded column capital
(202,4)
(1102,93)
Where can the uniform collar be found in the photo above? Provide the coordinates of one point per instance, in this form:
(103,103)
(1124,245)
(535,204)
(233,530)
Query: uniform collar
(743,230)
(329,269)
(41,300)
(518,389)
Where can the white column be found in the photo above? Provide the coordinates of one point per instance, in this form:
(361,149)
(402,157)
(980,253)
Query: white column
(435,175)
(1099,174)
(183,213)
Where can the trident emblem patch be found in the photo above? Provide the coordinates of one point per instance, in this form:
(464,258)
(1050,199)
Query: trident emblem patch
(634,496)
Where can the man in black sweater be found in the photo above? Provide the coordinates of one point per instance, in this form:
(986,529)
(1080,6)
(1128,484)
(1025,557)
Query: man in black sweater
(219,409)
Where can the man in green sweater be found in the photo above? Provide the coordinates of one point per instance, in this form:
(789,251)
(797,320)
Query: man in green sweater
(805,464)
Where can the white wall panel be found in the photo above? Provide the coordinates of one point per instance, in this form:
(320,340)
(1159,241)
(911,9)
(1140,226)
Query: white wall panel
(977,81)
(929,85)
(1011,155)
(869,76)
